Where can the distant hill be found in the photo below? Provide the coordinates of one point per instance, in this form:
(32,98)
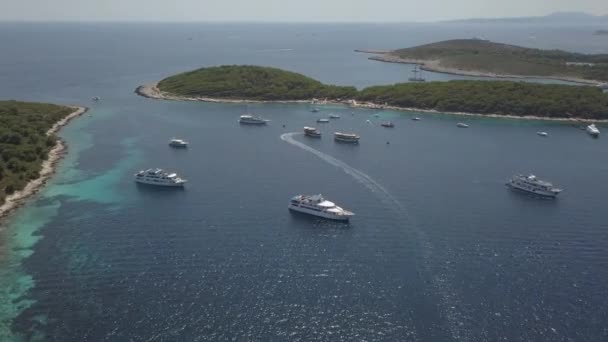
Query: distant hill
(486,57)
(554,18)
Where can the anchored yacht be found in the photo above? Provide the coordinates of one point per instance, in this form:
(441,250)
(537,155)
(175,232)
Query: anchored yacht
(159,177)
(543,134)
(316,205)
(252,120)
(179,143)
(322,120)
(312,132)
(593,130)
(346,137)
(334,116)
(387,124)
(531,184)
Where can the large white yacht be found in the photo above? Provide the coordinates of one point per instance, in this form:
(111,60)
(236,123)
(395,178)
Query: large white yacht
(252,120)
(593,130)
(159,177)
(533,185)
(346,137)
(316,205)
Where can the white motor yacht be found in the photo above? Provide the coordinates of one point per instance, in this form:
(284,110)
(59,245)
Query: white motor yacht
(531,184)
(316,205)
(159,177)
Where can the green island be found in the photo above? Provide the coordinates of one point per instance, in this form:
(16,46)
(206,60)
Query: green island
(251,82)
(244,83)
(486,58)
(24,143)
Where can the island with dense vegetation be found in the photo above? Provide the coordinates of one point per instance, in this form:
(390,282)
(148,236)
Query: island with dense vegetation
(251,82)
(28,147)
(479,57)
(504,98)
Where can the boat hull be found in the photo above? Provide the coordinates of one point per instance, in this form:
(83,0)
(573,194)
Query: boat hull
(536,192)
(321,214)
(158,184)
(254,123)
(346,141)
(313,135)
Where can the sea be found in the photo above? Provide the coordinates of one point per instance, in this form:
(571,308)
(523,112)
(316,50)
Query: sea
(439,249)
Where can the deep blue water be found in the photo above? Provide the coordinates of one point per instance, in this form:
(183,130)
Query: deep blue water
(439,249)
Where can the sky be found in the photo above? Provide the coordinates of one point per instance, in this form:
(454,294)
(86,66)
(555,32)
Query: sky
(285,10)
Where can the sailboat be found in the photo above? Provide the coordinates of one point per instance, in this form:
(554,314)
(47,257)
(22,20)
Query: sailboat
(417,75)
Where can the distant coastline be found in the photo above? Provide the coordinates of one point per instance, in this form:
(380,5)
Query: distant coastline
(49,167)
(151,91)
(434,66)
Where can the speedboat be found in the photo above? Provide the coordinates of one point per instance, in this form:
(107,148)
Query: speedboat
(334,116)
(178,143)
(531,184)
(316,205)
(415,118)
(462,125)
(543,134)
(346,137)
(387,124)
(323,120)
(593,130)
(312,132)
(159,177)
(315,110)
(96,98)
(252,120)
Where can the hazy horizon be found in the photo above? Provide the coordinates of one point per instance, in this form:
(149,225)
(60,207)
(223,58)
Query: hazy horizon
(372,11)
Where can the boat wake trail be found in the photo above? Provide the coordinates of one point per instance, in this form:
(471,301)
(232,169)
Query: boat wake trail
(440,282)
(359,176)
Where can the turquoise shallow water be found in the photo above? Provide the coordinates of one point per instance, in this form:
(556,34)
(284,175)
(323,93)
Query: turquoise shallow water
(439,249)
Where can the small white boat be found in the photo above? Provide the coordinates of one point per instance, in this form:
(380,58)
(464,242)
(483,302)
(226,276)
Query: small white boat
(462,125)
(178,143)
(415,118)
(312,132)
(346,138)
(543,134)
(593,130)
(323,120)
(316,205)
(96,98)
(334,116)
(387,124)
(252,120)
(159,177)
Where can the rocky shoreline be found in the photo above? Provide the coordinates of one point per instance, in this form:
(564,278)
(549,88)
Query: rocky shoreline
(49,166)
(151,91)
